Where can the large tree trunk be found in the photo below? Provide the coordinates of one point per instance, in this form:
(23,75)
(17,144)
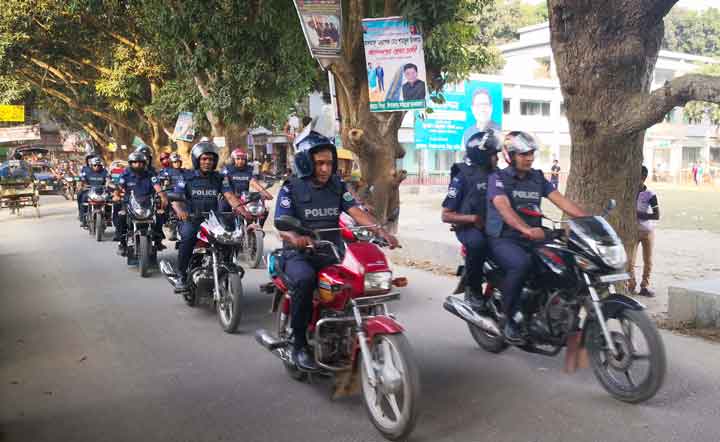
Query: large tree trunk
(605,56)
(372,136)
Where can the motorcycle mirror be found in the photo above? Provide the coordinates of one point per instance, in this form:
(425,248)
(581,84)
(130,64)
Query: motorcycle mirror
(533,211)
(175,197)
(611,205)
(289,223)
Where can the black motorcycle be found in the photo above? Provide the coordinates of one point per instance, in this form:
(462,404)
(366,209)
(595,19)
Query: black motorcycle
(141,217)
(570,301)
(215,272)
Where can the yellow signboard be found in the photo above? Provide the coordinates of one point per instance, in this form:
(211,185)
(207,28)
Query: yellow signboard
(12,113)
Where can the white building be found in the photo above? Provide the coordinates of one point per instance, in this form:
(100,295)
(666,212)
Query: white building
(533,102)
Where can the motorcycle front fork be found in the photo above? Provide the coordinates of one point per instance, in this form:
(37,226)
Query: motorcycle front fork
(216,279)
(597,308)
(364,347)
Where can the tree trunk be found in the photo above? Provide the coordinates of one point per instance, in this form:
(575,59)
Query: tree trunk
(605,56)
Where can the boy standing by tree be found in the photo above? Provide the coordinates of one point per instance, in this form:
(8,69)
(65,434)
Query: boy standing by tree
(648,212)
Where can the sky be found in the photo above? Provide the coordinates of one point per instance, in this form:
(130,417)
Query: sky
(689,4)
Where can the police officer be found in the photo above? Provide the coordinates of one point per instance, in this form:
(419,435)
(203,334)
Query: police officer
(172,172)
(316,196)
(465,206)
(241,178)
(145,150)
(138,179)
(512,232)
(96,178)
(201,188)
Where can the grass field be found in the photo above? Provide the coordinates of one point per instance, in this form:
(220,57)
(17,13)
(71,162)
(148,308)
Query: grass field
(688,208)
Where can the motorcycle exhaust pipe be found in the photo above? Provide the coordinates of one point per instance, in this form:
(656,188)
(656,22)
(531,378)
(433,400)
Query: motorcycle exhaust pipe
(167,269)
(264,338)
(459,308)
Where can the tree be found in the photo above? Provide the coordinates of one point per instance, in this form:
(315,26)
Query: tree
(605,55)
(450,32)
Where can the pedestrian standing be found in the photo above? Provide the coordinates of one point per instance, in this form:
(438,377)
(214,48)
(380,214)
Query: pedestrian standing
(555,174)
(699,174)
(648,211)
(694,173)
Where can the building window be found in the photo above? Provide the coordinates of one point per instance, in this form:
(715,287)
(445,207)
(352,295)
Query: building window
(535,108)
(506,106)
(563,108)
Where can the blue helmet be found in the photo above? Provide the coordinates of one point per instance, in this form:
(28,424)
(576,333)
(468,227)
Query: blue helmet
(304,149)
(481,146)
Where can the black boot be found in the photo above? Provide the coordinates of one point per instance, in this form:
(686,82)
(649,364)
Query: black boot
(512,333)
(304,361)
(475,299)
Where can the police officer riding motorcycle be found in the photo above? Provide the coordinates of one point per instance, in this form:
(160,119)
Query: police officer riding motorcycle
(201,189)
(512,232)
(241,177)
(315,196)
(170,175)
(138,179)
(96,178)
(465,207)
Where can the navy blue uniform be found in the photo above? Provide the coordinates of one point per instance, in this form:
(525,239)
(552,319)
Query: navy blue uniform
(317,208)
(467,194)
(201,192)
(94,180)
(509,248)
(173,176)
(142,185)
(239,180)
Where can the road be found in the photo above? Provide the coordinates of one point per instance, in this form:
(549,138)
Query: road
(89,351)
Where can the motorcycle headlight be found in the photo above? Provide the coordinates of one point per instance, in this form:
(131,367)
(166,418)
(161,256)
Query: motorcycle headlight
(378,282)
(614,256)
(363,234)
(255,209)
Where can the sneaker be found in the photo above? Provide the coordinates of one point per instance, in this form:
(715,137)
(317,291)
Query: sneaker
(512,333)
(646,292)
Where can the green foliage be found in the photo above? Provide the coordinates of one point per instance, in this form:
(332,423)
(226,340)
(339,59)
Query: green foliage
(693,32)
(502,19)
(697,110)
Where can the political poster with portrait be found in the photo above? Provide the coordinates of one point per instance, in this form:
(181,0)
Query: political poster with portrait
(184,127)
(395,64)
(322,25)
(465,109)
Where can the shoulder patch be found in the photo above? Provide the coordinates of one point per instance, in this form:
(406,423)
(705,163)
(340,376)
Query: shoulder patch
(285,202)
(347,196)
(452,192)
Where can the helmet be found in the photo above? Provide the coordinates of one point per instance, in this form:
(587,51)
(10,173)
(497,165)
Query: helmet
(481,146)
(238,153)
(96,161)
(89,157)
(174,157)
(145,150)
(137,157)
(200,148)
(165,159)
(520,142)
(305,147)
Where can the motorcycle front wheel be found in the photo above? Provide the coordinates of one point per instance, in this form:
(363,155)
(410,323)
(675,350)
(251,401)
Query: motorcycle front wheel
(229,306)
(255,248)
(90,222)
(637,372)
(392,403)
(99,227)
(143,254)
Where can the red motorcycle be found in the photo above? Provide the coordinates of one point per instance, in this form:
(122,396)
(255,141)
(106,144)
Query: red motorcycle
(352,331)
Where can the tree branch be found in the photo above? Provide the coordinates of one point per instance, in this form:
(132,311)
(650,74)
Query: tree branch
(645,110)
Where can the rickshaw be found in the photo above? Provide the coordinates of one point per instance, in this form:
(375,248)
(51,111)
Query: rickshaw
(18,187)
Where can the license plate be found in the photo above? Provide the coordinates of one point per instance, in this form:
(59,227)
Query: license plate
(609,279)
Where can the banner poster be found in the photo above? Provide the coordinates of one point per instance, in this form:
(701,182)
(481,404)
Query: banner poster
(184,127)
(467,108)
(322,25)
(12,113)
(395,64)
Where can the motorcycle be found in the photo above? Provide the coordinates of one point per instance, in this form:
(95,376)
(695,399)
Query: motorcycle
(570,301)
(214,273)
(251,251)
(70,184)
(352,329)
(98,212)
(140,212)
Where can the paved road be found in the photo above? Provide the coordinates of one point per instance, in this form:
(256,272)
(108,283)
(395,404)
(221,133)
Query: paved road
(90,352)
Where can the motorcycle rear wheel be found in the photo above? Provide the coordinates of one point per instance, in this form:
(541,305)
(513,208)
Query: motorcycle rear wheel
(229,309)
(392,356)
(488,342)
(143,254)
(615,373)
